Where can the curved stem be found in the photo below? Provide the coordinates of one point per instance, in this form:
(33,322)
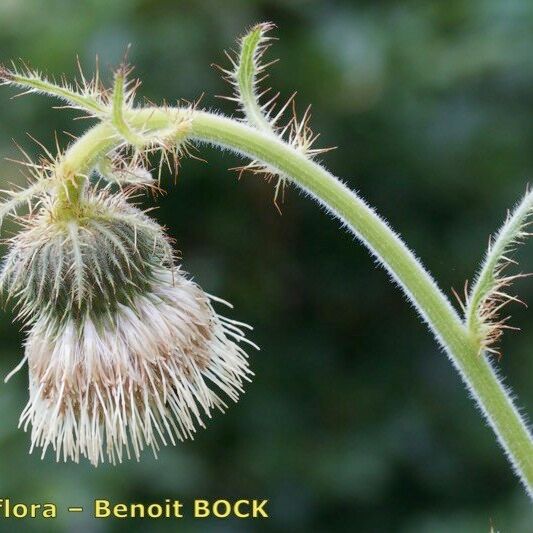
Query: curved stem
(386,246)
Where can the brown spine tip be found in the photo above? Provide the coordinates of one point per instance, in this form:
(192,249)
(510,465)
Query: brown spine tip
(5,74)
(264,26)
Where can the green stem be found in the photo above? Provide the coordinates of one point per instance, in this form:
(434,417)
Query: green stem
(475,370)
(460,346)
(75,166)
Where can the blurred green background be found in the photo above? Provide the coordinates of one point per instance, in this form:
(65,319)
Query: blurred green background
(355,421)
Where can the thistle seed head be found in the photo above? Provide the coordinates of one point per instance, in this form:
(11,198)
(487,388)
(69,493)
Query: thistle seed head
(106,391)
(124,351)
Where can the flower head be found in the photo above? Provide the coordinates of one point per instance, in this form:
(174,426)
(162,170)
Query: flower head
(124,350)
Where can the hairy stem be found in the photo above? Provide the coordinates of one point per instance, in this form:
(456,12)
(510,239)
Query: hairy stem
(74,168)
(386,246)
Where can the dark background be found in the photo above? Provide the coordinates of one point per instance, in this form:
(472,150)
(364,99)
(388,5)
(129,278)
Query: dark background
(355,421)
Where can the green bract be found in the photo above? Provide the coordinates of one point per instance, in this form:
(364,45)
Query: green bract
(84,263)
